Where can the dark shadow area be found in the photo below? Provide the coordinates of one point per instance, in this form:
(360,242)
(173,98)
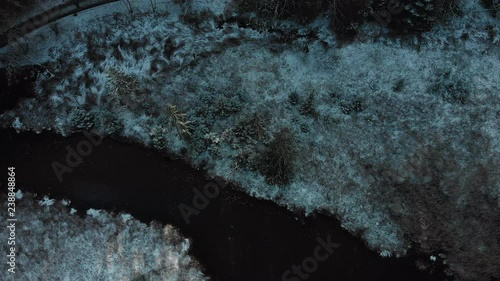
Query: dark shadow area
(16,32)
(16,86)
(14,8)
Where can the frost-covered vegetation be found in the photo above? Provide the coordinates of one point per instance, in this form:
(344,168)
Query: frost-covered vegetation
(55,243)
(397,136)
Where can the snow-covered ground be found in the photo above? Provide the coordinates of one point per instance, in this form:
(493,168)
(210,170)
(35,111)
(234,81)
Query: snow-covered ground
(400,138)
(54,243)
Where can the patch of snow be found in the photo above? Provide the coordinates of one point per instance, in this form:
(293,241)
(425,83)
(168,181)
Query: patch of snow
(46,201)
(19,194)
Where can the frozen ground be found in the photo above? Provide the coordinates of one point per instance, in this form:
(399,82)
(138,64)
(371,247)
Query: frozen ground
(54,243)
(399,138)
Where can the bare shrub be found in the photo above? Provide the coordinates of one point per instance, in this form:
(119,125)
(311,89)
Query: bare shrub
(278,161)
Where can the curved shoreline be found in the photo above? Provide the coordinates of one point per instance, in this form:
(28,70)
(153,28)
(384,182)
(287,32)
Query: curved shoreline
(235,237)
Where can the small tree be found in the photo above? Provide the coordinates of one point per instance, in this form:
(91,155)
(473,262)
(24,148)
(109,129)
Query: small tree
(278,161)
(179,120)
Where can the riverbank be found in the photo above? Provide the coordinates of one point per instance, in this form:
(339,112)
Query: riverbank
(236,237)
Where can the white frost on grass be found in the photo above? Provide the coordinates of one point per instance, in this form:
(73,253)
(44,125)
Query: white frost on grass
(53,244)
(17,124)
(19,194)
(46,201)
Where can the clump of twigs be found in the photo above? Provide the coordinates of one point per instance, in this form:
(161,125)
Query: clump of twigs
(179,120)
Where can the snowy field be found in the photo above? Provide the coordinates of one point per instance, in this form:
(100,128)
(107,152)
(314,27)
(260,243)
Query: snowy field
(398,137)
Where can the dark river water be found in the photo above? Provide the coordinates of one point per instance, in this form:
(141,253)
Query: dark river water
(235,237)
